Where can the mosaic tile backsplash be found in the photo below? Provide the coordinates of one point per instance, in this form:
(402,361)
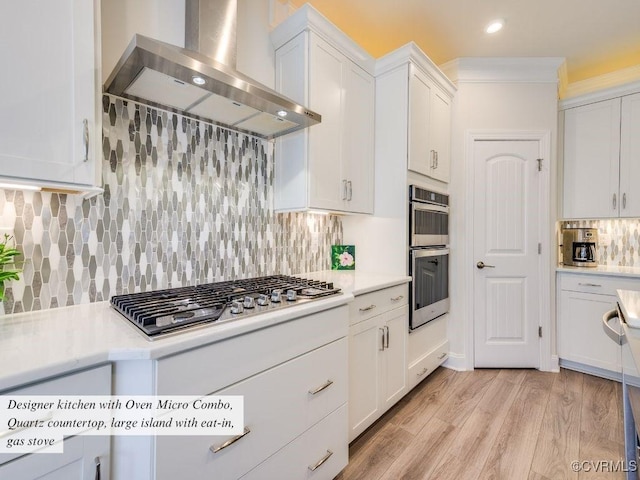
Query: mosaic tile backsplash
(185,202)
(622,247)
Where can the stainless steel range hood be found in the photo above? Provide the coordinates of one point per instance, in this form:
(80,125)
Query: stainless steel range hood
(200,81)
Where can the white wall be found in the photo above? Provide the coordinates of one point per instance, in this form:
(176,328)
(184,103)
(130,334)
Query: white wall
(164,20)
(500,107)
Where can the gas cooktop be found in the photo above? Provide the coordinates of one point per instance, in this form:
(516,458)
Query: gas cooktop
(162,312)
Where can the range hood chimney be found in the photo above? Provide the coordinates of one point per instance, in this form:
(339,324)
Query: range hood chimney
(201,81)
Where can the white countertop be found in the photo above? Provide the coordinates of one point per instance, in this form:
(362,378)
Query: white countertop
(46,343)
(613,270)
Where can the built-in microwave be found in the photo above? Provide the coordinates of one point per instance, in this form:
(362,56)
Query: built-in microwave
(429,218)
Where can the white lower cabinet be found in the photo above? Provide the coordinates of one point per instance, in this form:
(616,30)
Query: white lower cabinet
(293,377)
(582,342)
(428,348)
(84,457)
(278,405)
(377,359)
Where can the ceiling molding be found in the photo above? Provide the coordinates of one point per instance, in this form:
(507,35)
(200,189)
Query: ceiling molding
(412,53)
(504,69)
(600,95)
(619,78)
(307,18)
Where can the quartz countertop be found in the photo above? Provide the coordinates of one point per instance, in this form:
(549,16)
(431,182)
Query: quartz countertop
(46,343)
(613,270)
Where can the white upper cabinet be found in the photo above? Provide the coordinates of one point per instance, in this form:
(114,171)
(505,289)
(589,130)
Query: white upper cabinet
(328,166)
(429,126)
(630,156)
(602,159)
(409,82)
(50,127)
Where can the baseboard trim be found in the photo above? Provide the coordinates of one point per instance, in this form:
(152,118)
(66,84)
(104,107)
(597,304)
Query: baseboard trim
(456,362)
(589,370)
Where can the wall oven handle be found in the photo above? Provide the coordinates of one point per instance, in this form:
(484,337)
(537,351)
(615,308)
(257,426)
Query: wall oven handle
(611,333)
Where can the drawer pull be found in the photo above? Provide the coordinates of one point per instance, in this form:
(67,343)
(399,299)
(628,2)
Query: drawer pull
(424,370)
(395,299)
(589,285)
(366,309)
(442,355)
(321,461)
(231,441)
(321,387)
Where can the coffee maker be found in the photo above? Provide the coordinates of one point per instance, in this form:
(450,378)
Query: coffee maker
(579,247)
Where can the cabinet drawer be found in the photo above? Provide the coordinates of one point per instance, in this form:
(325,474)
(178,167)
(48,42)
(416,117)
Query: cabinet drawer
(327,440)
(96,381)
(370,304)
(597,284)
(423,367)
(278,406)
(209,368)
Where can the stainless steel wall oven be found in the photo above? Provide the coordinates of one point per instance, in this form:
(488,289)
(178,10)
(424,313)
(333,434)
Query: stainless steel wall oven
(428,255)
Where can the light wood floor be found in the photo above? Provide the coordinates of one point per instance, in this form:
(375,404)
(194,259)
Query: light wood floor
(495,424)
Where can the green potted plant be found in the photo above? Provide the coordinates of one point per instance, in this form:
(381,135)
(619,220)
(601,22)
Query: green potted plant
(8,270)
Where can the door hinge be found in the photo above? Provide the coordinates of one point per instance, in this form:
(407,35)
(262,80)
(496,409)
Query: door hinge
(539,248)
(540,332)
(539,160)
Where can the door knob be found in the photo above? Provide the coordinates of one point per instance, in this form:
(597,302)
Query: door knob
(482,265)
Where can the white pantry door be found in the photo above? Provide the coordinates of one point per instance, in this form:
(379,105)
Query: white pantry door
(506,222)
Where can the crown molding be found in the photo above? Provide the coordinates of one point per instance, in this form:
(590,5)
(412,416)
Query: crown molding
(308,19)
(504,69)
(618,81)
(412,53)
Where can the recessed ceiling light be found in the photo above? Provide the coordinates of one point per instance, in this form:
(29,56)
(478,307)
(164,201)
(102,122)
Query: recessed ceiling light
(198,80)
(494,26)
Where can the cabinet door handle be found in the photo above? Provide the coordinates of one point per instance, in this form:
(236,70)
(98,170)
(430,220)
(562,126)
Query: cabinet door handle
(350,196)
(437,159)
(321,461)
(624,200)
(615,201)
(589,285)
(432,162)
(97,460)
(386,328)
(344,189)
(395,299)
(85,139)
(366,309)
(229,442)
(382,339)
(321,387)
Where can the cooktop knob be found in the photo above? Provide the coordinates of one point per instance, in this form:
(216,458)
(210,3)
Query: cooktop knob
(263,300)
(291,296)
(249,302)
(237,307)
(276,296)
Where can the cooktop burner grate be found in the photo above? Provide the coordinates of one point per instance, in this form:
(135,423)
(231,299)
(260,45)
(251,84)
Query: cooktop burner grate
(165,311)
